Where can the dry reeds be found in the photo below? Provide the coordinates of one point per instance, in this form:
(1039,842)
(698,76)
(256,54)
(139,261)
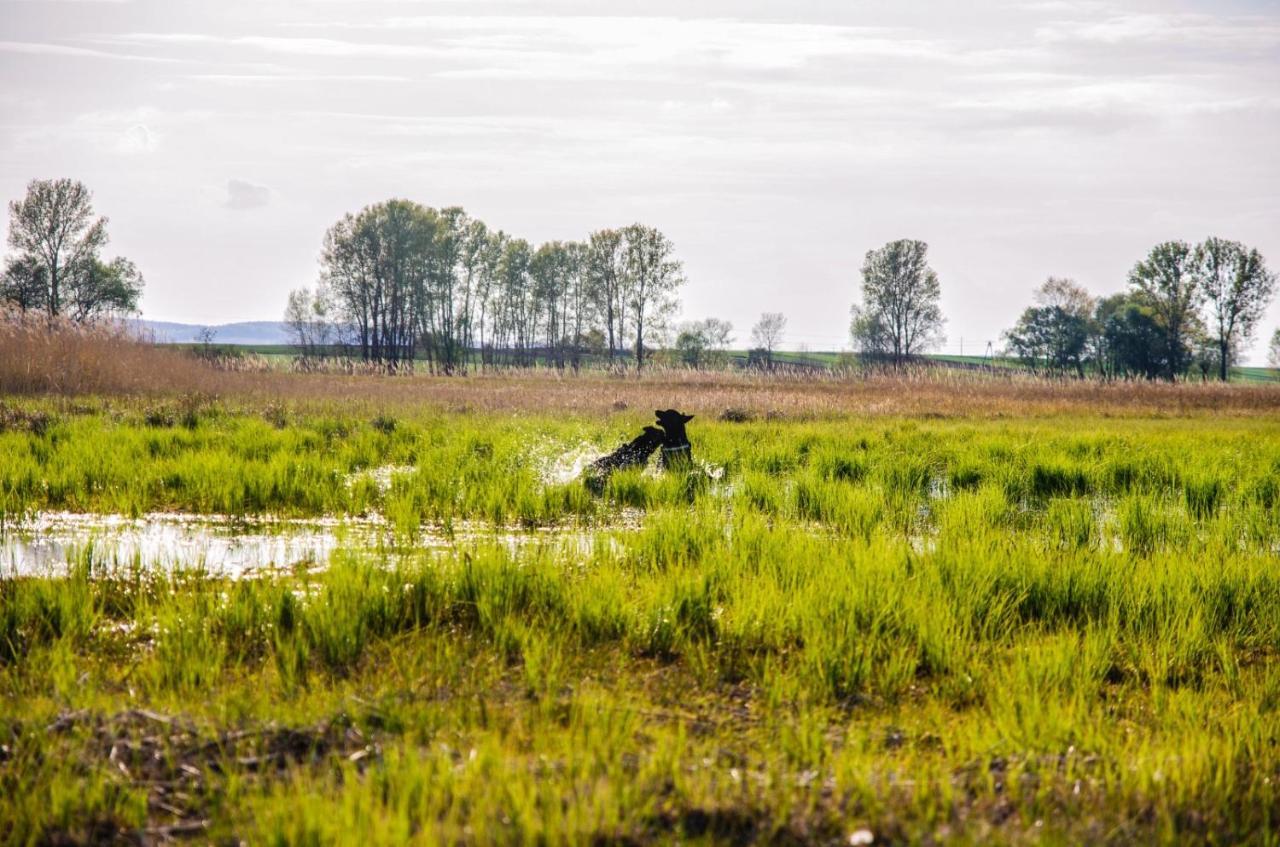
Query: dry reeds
(63,358)
(108,360)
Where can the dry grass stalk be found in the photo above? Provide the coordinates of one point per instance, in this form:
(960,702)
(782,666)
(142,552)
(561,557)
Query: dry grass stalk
(108,360)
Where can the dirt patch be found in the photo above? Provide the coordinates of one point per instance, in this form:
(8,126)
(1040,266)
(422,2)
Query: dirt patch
(180,767)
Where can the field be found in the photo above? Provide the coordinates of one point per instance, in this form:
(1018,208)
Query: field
(905,610)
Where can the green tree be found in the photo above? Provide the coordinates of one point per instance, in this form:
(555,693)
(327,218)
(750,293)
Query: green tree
(57,269)
(1131,338)
(605,268)
(1238,287)
(704,342)
(1056,334)
(691,346)
(24,285)
(900,315)
(653,275)
(1167,281)
(375,264)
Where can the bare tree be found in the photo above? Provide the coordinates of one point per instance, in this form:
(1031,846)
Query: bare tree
(308,318)
(766,335)
(1238,288)
(899,315)
(718,333)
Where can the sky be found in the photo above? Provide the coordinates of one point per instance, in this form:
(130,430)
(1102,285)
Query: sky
(774,143)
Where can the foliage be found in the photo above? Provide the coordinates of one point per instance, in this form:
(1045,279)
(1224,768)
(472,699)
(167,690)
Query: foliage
(57,269)
(1166,280)
(899,316)
(705,342)
(1238,288)
(1057,333)
(1155,330)
(408,279)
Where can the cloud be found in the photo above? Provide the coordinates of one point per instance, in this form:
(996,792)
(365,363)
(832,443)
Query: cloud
(51,49)
(272,79)
(137,139)
(1192,30)
(243,195)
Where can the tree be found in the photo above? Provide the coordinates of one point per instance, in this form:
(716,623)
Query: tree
(605,268)
(899,315)
(718,334)
(407,281)
(691,345)
(1238,288)
(869,333)
(308,318)
(1273,350)
(24,284)
(377,264)
(1167,281)
(102,288)
(1056,334)
(699,343)
(652,277)
(1131,338)
(766,335)
(57,268)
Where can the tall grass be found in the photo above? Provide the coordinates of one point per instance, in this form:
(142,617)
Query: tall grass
(1003,631)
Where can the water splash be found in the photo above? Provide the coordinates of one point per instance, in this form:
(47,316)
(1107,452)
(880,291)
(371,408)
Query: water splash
(560,465)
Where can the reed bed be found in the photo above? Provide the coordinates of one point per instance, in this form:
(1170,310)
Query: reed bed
(68,361)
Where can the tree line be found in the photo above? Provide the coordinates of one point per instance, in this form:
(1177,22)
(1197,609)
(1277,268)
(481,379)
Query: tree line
(1189,310)
(401,281)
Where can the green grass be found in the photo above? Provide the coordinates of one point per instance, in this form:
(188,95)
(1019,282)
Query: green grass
(1058,630)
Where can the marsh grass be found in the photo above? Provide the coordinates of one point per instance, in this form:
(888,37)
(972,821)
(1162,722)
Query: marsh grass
(1011,631)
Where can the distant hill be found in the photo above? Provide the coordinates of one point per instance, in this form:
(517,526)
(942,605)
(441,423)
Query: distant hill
(244,332)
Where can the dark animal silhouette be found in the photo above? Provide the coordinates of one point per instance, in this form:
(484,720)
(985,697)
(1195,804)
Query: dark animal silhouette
(676,449)
(633,454)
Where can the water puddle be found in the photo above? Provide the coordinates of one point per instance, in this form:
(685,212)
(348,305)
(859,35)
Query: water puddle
(50,543)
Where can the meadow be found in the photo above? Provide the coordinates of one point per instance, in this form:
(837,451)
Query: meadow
(968,613)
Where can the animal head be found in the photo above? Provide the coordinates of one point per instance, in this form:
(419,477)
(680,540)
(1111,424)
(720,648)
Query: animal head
(670,417)
(672,422)
(651,436)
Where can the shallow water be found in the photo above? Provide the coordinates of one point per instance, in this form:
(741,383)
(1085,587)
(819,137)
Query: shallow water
(51,542)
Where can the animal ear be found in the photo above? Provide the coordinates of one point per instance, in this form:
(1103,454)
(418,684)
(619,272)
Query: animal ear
(687,418)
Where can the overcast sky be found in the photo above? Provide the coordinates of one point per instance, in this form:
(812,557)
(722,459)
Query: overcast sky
(773,142)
